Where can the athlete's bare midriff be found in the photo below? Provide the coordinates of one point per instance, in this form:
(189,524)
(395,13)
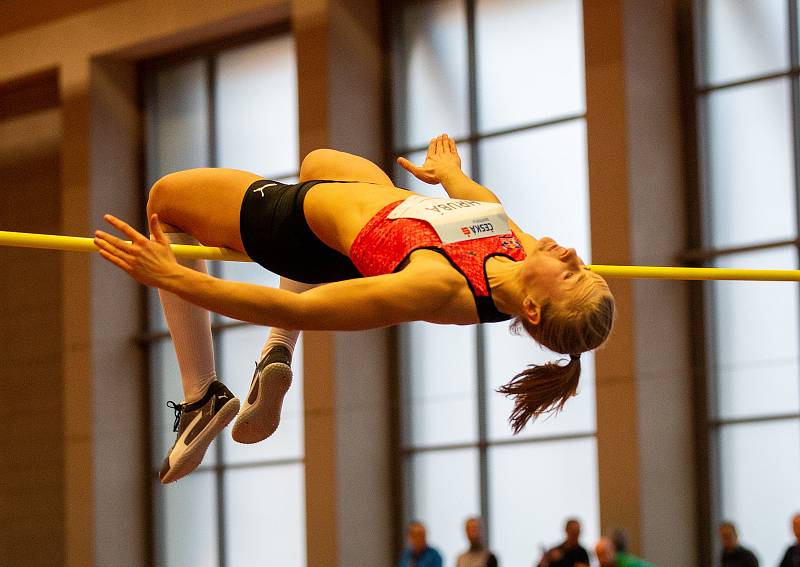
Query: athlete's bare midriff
(336,212)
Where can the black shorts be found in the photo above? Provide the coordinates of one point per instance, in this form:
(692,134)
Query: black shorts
(276,235)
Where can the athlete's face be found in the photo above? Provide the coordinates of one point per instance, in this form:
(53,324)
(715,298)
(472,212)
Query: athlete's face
(554,272)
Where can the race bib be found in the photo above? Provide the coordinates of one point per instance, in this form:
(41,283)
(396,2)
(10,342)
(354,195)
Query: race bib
(455,220)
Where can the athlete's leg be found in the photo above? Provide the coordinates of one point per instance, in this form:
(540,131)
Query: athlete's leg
(260,415)
(202,202)
(197,205)
(208,406)
(261,410)
(341,166)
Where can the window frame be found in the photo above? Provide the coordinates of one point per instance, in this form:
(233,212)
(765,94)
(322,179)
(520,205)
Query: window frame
(397,86)
(693,34)
(147,338)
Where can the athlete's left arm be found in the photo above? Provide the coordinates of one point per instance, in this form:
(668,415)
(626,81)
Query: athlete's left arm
(443,165)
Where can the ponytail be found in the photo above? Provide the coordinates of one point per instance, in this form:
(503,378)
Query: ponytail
(541,389)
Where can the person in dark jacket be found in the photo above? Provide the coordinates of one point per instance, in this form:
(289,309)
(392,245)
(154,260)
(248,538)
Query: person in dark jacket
(792,556)
(570,553)
(734,554)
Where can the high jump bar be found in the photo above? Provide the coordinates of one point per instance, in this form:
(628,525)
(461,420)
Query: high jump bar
(82,244)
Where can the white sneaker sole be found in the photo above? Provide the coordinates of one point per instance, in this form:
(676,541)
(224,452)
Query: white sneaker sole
(193,454)
(258,421)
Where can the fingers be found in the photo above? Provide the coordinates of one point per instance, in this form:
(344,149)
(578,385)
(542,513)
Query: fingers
(156,232)
(113,246)
(125,228)
(418,172)
(115,260)
(407,165)
(442,144)
(111,241)
(452,144)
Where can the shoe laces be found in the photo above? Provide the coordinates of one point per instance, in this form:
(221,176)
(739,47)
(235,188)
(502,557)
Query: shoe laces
(178,411)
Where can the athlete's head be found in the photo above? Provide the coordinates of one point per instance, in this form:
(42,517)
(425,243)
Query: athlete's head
(569,310)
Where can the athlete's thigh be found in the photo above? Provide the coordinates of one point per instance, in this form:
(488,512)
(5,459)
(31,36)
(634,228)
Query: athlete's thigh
(341,166)
(203,202)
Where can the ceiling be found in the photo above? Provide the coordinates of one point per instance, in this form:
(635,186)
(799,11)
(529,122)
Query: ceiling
(19,14)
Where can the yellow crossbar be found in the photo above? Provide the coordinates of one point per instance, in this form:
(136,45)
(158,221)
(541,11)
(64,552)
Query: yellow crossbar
(80,244)
(677,273)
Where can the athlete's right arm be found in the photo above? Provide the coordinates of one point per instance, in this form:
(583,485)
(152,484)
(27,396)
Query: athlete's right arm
(349,305)
(416,293)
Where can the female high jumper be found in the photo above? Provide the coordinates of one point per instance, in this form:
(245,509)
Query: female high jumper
(385,256)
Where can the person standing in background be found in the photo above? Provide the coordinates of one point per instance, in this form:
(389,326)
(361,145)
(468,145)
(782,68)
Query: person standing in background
(792,556)
(419,553)
(623,557)
(570,553)
(733,554)
(477,555)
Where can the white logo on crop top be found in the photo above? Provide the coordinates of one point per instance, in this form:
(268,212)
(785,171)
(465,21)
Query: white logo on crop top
(455,220)
(261,189)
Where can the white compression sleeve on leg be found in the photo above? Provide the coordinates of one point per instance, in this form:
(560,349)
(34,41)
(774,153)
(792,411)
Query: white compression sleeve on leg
(283,337)
(190,328)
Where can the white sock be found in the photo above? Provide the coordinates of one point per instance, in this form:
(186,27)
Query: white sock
(283,337)
(190,328)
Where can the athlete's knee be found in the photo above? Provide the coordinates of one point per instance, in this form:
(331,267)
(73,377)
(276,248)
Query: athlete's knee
(160,193)
(316,162)
(157,202)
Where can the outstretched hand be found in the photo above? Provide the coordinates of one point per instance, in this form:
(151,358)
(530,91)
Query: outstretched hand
(147,260)
(442,160)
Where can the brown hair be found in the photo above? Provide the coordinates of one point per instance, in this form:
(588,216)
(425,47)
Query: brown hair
(567,328)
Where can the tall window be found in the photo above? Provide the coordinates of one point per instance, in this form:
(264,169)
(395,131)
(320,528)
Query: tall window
(506,79)
(235,108)
(748,99)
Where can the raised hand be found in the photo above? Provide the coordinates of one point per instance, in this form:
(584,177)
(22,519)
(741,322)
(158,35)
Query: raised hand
(442,160)
(148,260)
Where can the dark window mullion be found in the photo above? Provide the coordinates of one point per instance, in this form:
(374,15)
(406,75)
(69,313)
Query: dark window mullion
(793,71)
(794,61)
(704,255)
(475,137)
(704,296)
(480,333)
(499,442)
(215,269)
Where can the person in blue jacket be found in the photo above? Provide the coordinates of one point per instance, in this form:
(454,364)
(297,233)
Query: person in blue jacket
(419,553)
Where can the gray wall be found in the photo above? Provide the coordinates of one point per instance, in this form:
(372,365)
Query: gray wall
(658,237)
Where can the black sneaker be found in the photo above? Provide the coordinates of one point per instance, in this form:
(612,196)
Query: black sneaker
(261,411)
(197,424)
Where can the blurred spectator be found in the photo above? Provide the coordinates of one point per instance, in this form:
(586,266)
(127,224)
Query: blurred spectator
(477,555)
(733,554)
(570,553)
(418,553)
(792,557)
(609,556)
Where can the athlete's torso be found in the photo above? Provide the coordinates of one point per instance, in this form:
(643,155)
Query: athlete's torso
(339,212)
